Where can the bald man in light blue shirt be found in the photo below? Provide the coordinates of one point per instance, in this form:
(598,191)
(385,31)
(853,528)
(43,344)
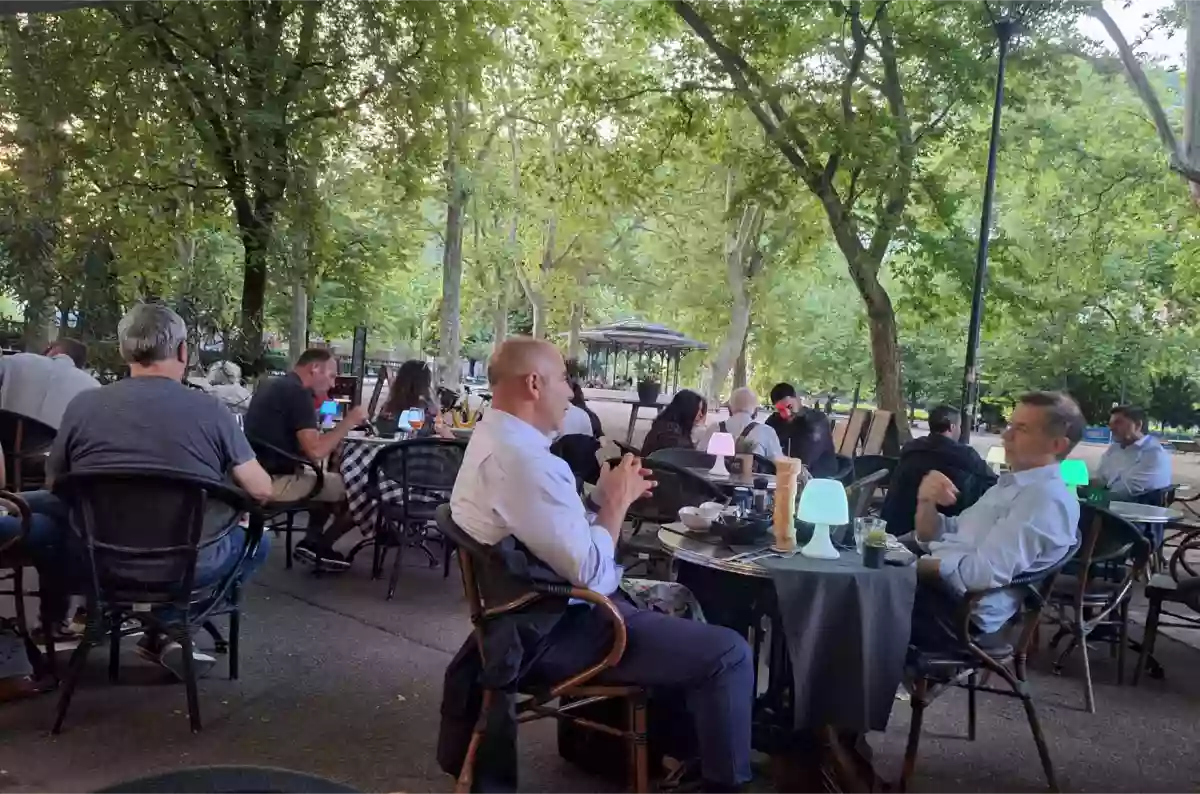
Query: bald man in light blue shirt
(1135,462)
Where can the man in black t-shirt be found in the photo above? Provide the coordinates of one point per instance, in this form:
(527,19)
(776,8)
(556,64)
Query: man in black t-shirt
(804,433)
(283,414)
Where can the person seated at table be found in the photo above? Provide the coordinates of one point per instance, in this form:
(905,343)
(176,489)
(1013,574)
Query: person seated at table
(672,429)
(42,386)
(743,405)
(581,420)
(225,383)
(939,451)
(803,432)
(1025,523)
(282,414)
(412,389)
(150,421)
(1135,462)
(510,484)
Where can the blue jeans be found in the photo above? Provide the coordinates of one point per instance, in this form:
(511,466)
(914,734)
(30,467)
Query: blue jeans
(216,561)
(46,547)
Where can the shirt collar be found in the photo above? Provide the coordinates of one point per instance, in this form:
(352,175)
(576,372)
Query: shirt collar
(1048,473)
(516,430)
(63,358)
(1141,442)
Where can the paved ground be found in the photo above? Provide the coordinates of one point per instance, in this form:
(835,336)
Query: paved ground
(338,682)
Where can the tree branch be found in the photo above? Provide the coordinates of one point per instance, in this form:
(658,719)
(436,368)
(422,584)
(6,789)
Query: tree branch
(896,193)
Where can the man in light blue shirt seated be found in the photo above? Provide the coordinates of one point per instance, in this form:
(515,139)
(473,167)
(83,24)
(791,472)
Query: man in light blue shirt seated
(1025,523)
(1134,462)
(511,484)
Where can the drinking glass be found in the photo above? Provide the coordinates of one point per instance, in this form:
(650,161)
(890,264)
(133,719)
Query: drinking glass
(864,527)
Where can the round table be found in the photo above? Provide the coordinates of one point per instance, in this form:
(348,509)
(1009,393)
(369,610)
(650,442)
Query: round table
(732,480)
(1144,514)
(838,632)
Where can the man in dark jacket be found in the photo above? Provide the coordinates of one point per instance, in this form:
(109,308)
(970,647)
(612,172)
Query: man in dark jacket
(939,451)
(804,433)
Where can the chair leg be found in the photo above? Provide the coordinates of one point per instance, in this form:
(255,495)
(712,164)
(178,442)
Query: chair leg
(395,577)
(49,653)
(114,647)
(914,732)
(235,631)
(1148,636)
(78,660)
(639,772)
(220,644)
(189,678)
(466,774)
(972,683)
(287,541)
(1040,739)
(1122,642)
(1089,697)
(447,550)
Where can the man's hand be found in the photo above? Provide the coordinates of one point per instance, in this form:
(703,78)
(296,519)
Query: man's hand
(937,488)
(622,485)
(356,416)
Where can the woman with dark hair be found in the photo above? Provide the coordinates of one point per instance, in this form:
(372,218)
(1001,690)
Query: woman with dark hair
(673,427)
(412,388)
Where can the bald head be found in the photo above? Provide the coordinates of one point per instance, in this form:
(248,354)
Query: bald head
(529,380)
(743,401)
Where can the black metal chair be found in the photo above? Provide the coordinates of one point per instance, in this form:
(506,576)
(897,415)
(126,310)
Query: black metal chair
(407,481)
(1087,599)
(1180,584)
(859,492)
(26,443)
(627,449)
(695,459)
(281,516)
(140,534)
(930,673)
(228,780)
(844,471)
(493,595)
(676,487)
(14,559)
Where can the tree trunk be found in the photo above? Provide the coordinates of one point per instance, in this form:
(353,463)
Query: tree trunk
(573,346)
(537,305)
(449,345)
(255,227)
(500,318)
(740,378)
(298,327)
(739,252)
(885,354)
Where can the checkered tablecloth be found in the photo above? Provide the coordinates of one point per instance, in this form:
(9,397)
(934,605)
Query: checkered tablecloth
(354,465)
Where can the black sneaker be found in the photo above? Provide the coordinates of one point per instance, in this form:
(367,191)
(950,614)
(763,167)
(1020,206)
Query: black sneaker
(323,559)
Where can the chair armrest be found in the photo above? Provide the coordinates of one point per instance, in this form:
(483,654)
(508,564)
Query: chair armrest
(300,461)
(614,617)
(7,498)
(627,448)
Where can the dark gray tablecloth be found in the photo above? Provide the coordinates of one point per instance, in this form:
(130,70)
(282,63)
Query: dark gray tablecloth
(847,634)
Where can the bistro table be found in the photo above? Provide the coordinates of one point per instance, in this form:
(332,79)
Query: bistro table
(1144,514)
(836,643)
(358,451)
(732,480)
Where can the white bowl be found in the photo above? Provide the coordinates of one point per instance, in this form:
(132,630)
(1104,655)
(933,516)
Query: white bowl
(693,518)
(711,510)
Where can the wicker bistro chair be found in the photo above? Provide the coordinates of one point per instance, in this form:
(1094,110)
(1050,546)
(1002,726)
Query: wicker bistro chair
(141,533)
(13,562)
(1180,584)
(930,673)
(281,516)
(1085,600)
(407,481)
(490,601)
(26,443)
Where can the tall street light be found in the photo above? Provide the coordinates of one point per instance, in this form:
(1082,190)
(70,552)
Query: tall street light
(1005,29)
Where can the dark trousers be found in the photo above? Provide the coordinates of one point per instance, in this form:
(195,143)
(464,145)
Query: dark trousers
(710,666)
(46,547)
(935,618)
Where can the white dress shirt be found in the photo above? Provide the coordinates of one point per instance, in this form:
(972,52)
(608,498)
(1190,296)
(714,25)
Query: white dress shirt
(764,439)
(1025,523)
(576,422)
(1142,466)
(511,484)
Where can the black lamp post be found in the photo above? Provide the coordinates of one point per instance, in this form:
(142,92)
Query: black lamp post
(1005,29)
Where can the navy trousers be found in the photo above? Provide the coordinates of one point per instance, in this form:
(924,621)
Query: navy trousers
(711,666)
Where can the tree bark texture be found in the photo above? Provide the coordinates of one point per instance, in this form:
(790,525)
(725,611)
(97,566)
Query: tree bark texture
(741,258)
(449,343)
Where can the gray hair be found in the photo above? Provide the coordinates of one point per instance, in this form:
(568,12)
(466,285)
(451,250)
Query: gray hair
(743,400)
(150,333)
(1062,415)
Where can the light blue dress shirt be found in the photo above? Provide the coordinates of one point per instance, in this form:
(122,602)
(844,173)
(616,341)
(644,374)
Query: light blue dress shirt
(1142,466)
(511,484)
(764,439)
(1025,523)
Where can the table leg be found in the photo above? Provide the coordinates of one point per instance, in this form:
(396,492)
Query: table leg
(633,416)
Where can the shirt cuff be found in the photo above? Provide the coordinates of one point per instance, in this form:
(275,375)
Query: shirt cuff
(948,568)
